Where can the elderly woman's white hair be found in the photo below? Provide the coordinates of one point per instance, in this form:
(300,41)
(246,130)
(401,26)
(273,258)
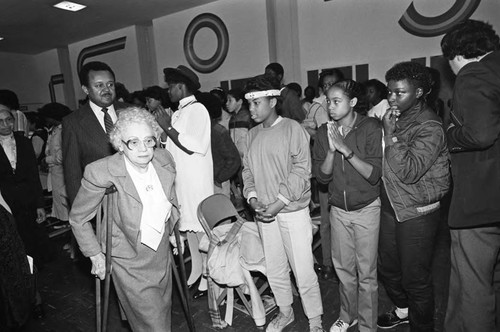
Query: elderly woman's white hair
(128,117)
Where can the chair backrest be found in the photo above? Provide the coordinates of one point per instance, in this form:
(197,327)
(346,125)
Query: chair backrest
(214,210)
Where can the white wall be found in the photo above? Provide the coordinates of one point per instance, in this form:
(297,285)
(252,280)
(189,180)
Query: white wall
(28,76)
(347,32)
(46,65)
(125,62)
(248,50)
(331,34)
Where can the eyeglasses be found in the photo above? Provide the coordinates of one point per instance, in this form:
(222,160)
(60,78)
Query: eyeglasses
(7,121)
(135,143)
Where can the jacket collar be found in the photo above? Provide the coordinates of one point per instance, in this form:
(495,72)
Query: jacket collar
(409,116)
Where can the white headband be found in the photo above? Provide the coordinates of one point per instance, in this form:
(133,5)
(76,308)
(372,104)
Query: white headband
(259,94)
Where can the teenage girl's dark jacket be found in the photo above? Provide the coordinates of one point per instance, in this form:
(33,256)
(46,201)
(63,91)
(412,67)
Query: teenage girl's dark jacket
(416,163)
(347,189)
(474,143)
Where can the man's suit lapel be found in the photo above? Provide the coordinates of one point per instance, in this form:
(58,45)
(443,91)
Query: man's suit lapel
(91,125)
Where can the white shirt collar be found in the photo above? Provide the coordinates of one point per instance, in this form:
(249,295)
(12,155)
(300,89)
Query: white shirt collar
(186,101)
(278,120)
(100,115)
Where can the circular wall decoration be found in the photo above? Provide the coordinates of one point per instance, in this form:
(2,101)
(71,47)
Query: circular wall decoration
(423,26)
(215,24)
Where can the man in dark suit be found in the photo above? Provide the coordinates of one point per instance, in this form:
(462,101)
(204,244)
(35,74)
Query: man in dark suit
(473,52)
(85,131)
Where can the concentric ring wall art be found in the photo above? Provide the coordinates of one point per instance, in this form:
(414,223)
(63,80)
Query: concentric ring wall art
(423,26)
(215,24)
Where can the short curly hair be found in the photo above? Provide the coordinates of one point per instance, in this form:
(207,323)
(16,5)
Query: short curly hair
(261,83)
(470,39)
(128,117)
(416,74)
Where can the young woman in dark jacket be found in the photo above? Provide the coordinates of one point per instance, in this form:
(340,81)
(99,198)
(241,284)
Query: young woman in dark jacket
(348,157)
(416,176)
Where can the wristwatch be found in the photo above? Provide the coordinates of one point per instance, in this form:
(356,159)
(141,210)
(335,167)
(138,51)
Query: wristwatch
(349,156)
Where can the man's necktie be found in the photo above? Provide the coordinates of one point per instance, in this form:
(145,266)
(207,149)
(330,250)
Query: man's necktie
(108,123)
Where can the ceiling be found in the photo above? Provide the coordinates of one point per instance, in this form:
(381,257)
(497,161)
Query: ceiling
(35,26)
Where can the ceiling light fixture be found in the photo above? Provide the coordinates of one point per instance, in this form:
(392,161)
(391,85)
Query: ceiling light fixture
(68,5)
(1,38)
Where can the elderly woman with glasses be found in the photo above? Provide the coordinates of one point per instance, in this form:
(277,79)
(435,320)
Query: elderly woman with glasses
(144,212)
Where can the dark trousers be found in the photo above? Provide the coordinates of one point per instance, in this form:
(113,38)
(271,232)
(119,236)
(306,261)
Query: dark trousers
(474,280)
(406,250)
(325,229)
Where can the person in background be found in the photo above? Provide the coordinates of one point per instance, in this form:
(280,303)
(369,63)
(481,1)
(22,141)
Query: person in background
(348,155)
(122,94)
(240,121)
(157,100)
(295,87)
(53,114)
(85,131)
(291,105)
(473,52)
(416,176)
(188,140)
(318,115)
(16,278)
(239,124)
(137,98)
(376,93)
(225,116)
(146,210)
(22,191)
(9,99)
(20,185)
(225,155)
(309,94)
(276,172)
(38,134)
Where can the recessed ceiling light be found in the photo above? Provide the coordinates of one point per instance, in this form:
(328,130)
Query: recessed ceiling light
(68,5)
(1,38)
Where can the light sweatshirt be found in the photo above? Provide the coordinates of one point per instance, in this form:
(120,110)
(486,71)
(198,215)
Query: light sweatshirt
(278,165)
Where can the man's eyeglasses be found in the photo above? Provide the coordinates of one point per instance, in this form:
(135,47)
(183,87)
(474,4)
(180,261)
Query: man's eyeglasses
(135,143)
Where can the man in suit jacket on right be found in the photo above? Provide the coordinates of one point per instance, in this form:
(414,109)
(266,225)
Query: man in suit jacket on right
(473,50)
(85,131)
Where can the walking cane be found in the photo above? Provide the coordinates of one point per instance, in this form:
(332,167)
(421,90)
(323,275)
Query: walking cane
(109,234)
(97,280)
(102,314)
(181,282)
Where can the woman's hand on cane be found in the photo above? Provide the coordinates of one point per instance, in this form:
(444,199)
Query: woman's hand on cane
(98,265)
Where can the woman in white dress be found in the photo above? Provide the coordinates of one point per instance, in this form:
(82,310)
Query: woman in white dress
(188,140)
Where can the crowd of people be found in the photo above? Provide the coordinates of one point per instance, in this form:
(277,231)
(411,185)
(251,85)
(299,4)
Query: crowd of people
(375,158)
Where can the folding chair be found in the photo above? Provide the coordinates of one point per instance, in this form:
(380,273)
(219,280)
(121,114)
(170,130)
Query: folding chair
(216,210)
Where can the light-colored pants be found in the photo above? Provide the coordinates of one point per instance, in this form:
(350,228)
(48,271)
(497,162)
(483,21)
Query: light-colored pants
(288,240)
(354,255)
